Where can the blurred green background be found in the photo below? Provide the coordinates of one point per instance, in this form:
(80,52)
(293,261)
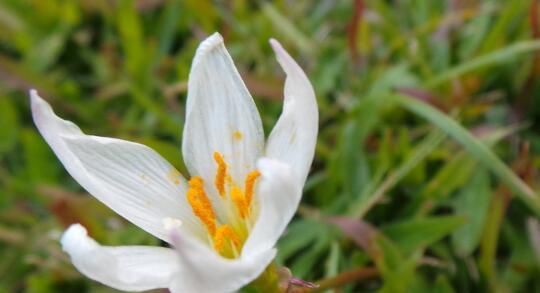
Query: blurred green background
(424,177)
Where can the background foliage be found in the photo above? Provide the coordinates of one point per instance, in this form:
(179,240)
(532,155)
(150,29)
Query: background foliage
(425,172)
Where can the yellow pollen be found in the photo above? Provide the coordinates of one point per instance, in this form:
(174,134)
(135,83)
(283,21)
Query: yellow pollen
(224,233)
(221,173)
(197,183)
(237,135)
(249,187)
(173,176)
(240,201)
(200,204)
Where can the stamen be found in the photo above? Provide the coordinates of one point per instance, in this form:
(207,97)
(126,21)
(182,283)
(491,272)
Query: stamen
(200,204)
(250,185)
(221,173)
(224,233)
(198,184)
(240,201)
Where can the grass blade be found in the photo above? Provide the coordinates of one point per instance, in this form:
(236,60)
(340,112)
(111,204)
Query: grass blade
(473,146)
(499,56)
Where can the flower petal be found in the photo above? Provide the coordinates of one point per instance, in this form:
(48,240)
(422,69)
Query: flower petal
(279,195)
(140,184)
(294,137)
(130,178)
(220,115)
(203,270)
(128,268)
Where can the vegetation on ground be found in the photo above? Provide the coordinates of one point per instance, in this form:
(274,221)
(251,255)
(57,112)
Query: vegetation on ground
(424,177)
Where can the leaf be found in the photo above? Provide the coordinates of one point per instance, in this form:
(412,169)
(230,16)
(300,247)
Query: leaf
(472,203)
(499,56)
(129,26)
(40,164)
(419,153)
(451,176)
(393,77)
(396,270)
(288,28)
(361,232)
(476,148)
(9,125)
(442,285)
(298,235)
(412,235)
(332,261)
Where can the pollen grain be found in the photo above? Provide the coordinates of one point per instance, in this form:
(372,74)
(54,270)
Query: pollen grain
(237,135)
(249,186)
(201,205)
(221,173)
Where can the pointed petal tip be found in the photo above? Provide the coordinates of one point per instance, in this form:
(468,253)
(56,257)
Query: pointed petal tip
(34,97)
(38,105)
(276,46)
(126,268)
(210,43)
(281,54)
(33,92)
(72,237)
(283,57)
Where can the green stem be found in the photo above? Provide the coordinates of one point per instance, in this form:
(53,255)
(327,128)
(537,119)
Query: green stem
(268,281)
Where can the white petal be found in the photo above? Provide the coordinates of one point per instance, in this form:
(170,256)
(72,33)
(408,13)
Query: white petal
(220,115)
(130,178)
(140,184)
(279,195)
(294,137)
(128,268)
(203,270)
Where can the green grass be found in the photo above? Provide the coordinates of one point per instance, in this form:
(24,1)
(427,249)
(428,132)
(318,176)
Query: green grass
(429,131)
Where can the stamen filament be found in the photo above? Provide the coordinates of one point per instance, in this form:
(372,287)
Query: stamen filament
(223,235)
(240,201)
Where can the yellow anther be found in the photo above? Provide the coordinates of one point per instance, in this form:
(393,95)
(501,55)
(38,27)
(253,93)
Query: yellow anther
(200,204)
(240,201)
(198,184)
(250,186)
(221,173)
(224,234)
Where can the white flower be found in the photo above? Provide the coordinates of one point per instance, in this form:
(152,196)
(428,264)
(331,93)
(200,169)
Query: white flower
(224,222)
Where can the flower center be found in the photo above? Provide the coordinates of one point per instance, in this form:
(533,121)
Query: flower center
(228,236)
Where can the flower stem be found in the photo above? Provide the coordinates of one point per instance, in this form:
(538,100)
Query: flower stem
(268,281)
